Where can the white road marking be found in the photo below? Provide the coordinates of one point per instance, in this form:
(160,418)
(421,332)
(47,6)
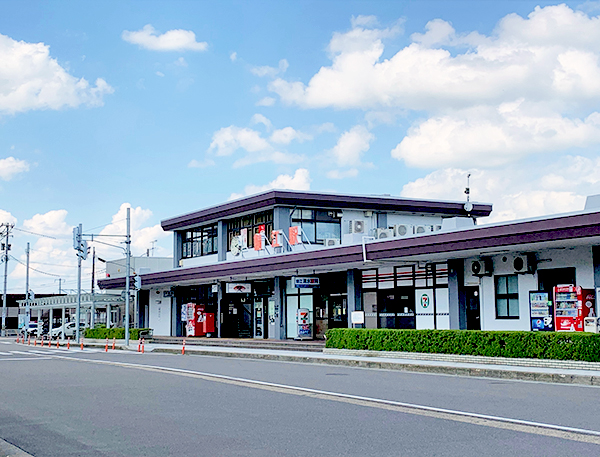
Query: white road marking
(5,342)
(532,427)
(5,353)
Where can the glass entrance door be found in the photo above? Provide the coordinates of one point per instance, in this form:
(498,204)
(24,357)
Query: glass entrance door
(473,315)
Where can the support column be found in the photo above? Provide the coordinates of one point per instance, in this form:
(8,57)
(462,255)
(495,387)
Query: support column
(354,288)
(279,296)
(177,249)
(92,315)
(219,316)
(64,318)
(50,319)
(456,294)
(107,316)
(221,241)
(40,325)
(281,219)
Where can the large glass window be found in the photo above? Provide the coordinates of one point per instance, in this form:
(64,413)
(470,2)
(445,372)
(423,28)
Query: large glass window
(199,241)
(507,297)
(251,225)
(317,226)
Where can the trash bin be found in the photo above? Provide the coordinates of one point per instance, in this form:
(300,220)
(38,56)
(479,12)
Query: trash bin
(590,324)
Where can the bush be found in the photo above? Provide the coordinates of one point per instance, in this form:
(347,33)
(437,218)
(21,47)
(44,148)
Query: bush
(533,345)
(101,333)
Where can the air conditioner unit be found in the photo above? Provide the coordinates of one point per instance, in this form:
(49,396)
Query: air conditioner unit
(525,264)
(482,267)
(385,233)
(357,226)
(421,229)
(402,230)
(332,242)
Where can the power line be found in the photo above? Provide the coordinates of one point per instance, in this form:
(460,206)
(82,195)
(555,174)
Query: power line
(38,271)
(33,233)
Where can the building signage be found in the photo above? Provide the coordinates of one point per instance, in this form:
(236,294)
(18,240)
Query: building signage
(305,282)
(358,317)
(239,288)
(168,293)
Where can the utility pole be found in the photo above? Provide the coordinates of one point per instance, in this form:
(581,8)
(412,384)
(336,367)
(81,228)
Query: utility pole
(93,267)
(78,313)
(27,308)
(128,255)
(6,247)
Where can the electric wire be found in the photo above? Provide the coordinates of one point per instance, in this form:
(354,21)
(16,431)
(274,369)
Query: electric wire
(33,233)
(38,271)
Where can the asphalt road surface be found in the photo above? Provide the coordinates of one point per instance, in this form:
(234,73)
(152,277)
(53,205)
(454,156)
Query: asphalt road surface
(58,402)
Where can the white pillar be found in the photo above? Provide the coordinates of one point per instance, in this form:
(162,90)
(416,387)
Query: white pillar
(50,318)
(64,318)
(107,316)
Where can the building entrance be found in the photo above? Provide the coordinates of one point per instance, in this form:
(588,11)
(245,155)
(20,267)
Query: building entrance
(473,311)
(237,316)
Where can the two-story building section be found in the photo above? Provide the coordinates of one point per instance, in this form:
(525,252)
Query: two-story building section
(395,262)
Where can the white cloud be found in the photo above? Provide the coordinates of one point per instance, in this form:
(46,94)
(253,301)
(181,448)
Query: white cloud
(338,174)
(233,56)
(260,119)
(7,218)
(517,192)
(551,55)
(160,73)
(201,164)
(489,137)
(229,139)
(141,237)
(10,167)
(31,79)
(51,223)
(274,156)
(351,145)
(364,21)
(270,71)
(266,101)
(173,40)
(300,181)
(288,134)
(328,127)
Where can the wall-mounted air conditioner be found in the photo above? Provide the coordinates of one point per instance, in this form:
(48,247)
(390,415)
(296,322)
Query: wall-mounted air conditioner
(402,230)
(482,267)
(385,233)
(357,226)
(525,264)
(421,229)
(332,242)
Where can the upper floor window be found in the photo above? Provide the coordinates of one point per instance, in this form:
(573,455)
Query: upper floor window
(200,241)
(318,225)
(253,224)
(507,297)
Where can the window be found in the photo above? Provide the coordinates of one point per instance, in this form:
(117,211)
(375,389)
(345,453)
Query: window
(199,242)
(507,297)
(253,223)
(317,225)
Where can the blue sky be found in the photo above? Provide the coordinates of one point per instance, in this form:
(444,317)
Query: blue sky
(169,107)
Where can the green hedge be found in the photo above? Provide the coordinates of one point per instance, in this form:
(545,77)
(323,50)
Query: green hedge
(110,333)
(534,345)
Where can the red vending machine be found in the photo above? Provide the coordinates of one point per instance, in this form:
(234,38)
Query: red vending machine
(199,323)
(571,305)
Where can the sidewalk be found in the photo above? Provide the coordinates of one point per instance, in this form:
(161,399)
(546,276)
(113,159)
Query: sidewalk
(558,371)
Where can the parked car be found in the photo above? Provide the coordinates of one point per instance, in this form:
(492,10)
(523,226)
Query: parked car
(70,330)
(32,330)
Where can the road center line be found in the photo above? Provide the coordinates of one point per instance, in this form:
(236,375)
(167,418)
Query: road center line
(537,428)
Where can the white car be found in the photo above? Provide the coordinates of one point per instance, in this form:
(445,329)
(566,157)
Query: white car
(70,330)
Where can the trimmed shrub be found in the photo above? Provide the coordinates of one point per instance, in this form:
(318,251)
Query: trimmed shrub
(101,333)
(512,344)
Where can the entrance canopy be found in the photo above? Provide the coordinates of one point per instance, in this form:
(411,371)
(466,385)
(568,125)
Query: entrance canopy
(70,301)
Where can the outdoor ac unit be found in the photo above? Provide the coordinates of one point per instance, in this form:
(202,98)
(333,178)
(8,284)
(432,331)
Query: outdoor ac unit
(525,264)
(421,229)
(403,230)
(482,267)
(384,233)
(332,242)
(357,226)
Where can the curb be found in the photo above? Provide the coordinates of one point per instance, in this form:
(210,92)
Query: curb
(8,450)
(579,379)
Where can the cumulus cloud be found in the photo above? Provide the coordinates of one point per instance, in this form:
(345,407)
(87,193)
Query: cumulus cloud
(31,80)
(7,218)
(266,101)
(10,167)
(288,134)
(201,164)
(172,40)
(517,192)
(351,145)
(260,119)
(233,56)
(299,181)
(271,72)
(337,174)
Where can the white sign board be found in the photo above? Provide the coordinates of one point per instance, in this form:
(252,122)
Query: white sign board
(358,317)
(239,288)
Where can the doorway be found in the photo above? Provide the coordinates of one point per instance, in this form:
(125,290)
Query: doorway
(473,311)
(237,316)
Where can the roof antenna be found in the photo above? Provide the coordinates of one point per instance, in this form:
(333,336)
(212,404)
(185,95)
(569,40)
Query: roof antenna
(468,188)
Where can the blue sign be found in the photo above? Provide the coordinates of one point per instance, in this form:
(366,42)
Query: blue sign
(305,283)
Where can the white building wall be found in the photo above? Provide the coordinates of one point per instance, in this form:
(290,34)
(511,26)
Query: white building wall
(580,258)
(160,312)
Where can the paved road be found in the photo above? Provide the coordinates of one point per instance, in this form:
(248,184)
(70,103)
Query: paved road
(55,402)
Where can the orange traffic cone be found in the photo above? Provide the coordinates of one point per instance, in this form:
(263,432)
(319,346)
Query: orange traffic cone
(183,348)
(69,342)
(81,341)
(106,345)
(113,346)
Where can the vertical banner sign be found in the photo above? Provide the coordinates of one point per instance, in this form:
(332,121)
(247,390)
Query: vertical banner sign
(244,238)
(276,238)
(262,228)
(190,328)
(258,244)
(303,319)
(295,235)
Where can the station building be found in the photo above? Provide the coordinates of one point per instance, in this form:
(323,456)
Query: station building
(405,263)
